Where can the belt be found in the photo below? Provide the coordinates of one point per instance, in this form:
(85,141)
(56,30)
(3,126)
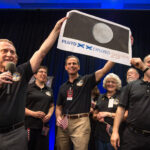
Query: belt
(139,131)
(76,116)
(11,128)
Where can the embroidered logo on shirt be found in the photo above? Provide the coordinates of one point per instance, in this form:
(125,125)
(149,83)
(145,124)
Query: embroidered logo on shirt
(48,93)
(80,83)
(16,76)
(116,101)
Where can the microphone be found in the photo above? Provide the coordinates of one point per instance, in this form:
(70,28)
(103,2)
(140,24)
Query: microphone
(11,67)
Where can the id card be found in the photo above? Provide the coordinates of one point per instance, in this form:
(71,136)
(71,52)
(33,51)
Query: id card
(111,103)
(70,94)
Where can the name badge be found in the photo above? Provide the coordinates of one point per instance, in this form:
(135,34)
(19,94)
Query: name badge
(70,94)
(111,103)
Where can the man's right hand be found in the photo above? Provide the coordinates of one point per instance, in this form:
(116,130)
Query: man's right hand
(115,140)
(58,120)
(5,77)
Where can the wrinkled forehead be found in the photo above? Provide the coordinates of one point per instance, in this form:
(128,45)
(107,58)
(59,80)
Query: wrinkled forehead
(131,71)
(6,45)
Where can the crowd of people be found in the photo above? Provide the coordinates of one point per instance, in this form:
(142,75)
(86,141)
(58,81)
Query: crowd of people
(119,118)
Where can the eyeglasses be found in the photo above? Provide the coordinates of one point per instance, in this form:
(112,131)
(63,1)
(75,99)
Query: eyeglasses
(42,72)
(5,51)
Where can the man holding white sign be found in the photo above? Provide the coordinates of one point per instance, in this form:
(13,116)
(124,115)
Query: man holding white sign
(73,103)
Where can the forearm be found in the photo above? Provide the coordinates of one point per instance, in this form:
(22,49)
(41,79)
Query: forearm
(39,55)
(58,111)
(51,110)
(100,73)
(118,118)
(111,115)
(46,46)
(29,112)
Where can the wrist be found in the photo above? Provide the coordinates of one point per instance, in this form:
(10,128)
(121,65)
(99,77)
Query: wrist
(110,115)
(145,70)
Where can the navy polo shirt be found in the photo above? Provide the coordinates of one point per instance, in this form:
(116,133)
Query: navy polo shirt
(102,106)
(136,98)
(81,99)
(38,100)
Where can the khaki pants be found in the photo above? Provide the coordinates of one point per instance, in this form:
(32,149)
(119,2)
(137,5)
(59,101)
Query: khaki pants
(78,132)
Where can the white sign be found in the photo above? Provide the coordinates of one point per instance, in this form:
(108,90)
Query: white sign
(89,35)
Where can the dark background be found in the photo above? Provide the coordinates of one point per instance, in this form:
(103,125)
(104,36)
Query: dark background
(28,29)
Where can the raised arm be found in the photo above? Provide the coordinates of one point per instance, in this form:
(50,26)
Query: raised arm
(38,56)
(101,72)
(138,63)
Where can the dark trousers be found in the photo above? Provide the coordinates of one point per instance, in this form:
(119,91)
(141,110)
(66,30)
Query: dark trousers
(100,145)
(14,140)
(134,141)
(38,141)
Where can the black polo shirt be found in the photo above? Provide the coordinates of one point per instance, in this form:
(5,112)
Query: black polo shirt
(38,100)
(81,99)
(102,106)
(12,107)
(136,98)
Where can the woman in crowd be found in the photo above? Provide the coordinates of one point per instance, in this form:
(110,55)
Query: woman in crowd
(105,111)
(39,109)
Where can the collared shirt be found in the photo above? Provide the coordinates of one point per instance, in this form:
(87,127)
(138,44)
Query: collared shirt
(103,106)
(80,101)
(38,100)
(12,106)
(136,98)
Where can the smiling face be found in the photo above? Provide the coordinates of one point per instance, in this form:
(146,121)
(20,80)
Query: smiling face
(7,54)
(111,84)
(72,66)
(41,75)
(132,75)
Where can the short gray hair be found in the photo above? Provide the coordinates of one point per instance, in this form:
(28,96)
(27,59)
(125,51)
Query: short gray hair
(114,76)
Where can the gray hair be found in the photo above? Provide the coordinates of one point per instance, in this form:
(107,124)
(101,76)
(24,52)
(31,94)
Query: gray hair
(114,76)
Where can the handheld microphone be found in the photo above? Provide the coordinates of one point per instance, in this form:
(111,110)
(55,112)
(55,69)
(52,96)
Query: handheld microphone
(11,67)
